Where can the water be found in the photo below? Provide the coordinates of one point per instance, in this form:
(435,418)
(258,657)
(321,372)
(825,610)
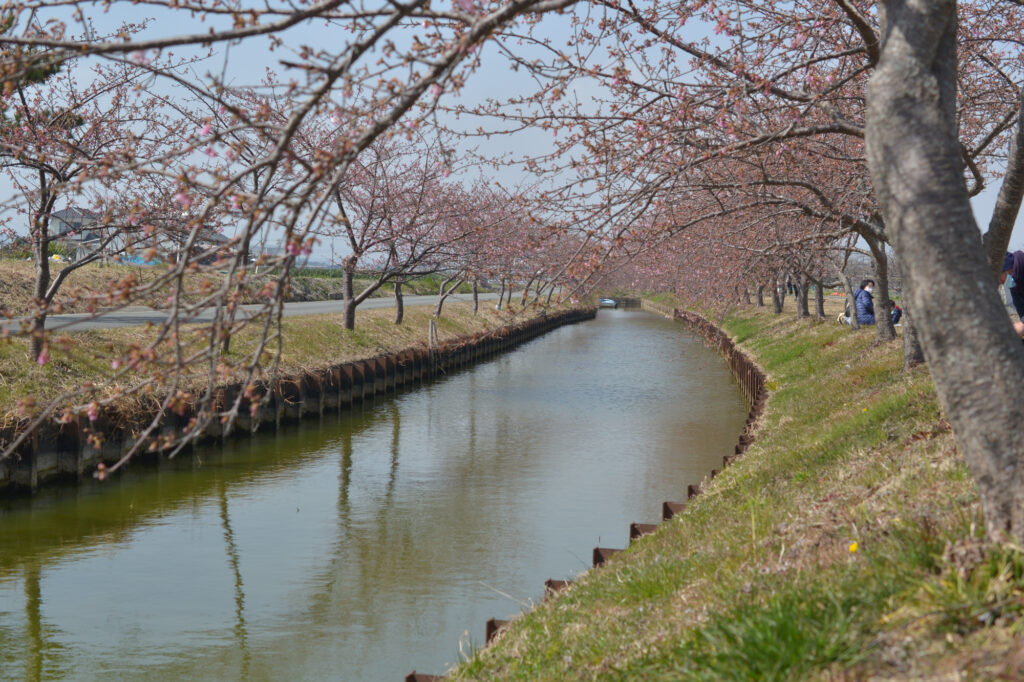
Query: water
(362,546)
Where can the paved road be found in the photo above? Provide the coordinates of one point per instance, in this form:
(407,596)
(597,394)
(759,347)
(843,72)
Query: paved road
(133,316)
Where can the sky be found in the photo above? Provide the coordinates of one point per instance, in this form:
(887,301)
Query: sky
(246,63)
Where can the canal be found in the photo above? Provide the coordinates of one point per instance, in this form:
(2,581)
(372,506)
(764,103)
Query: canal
(361,546)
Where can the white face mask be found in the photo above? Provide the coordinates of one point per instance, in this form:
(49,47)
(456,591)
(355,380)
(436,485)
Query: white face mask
(867,289)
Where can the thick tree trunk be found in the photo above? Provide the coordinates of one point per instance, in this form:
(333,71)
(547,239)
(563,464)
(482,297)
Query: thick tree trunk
(803,286)
(975,359)
(760,295)
(819,298)
(476,296)
(399,304)
(501,294)
(348,299)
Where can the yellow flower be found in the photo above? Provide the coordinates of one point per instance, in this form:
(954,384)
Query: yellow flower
(864,410)
(853,547)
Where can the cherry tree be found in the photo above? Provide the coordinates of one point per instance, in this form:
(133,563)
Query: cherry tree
(64,143)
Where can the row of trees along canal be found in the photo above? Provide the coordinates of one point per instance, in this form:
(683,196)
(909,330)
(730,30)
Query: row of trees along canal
(709,148)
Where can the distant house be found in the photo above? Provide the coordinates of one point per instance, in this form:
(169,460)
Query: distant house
(76,227)
(83,231)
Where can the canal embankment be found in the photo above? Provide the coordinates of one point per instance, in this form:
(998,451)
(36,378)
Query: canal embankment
(322,368)
(846,541)
(401,525)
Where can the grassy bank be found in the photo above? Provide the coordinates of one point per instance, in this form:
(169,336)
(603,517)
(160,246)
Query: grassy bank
(845,544)
(308,343)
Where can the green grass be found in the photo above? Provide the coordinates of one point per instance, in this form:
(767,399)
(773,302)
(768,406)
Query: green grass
(844,543)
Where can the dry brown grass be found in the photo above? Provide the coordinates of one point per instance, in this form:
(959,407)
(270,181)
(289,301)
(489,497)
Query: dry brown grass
(87,288)
(85,361)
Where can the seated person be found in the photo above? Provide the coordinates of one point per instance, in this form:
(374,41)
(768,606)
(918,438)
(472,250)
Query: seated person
(865,302)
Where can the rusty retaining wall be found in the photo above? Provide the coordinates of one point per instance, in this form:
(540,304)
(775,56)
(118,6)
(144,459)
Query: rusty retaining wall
(65,452)
(748,375)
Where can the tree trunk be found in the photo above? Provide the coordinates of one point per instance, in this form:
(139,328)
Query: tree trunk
(913,355)
(997,237)
(243,258)
(526,293)
(914,155)
(848,288)
(508,301)
(803,286)
(819,297)
(796,296)
(41,256)
(348,299)
(776,297)
(445,292)
(399,304)
(760,295)
(476,296)
(501,294)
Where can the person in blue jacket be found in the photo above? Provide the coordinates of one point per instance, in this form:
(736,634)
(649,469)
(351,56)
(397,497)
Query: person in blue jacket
(1013,269)
(865,302)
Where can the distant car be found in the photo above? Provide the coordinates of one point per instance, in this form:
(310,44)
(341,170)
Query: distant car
(608,303)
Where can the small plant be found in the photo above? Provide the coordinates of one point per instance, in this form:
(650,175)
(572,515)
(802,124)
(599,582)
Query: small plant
(791,634)
(980,585)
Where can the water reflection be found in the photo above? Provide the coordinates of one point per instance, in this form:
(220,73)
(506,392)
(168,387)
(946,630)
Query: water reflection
(233,563)
(33,600)
(362,545)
